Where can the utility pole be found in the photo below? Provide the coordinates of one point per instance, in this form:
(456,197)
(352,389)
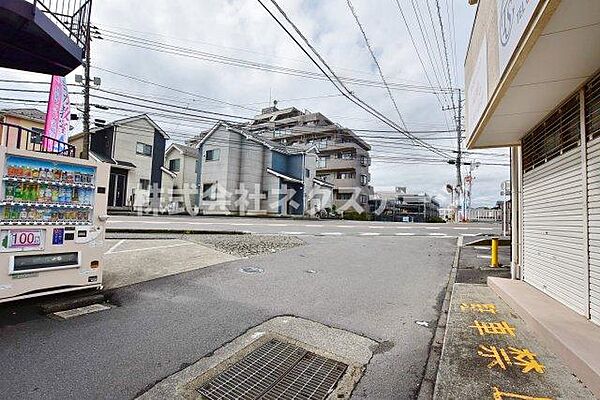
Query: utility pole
(86,95)
(458,161)
(458,150)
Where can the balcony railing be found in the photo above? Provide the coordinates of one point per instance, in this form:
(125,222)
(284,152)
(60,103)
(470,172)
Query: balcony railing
(15,136)
(71,16)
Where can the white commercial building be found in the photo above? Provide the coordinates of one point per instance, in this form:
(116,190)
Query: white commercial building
(533,84)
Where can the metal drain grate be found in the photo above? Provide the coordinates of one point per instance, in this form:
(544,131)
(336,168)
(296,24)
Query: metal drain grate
(276,370)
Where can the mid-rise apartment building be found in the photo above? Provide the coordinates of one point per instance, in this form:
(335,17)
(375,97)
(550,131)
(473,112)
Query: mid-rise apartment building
(343,156)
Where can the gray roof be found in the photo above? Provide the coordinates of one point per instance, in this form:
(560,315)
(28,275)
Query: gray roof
(186,150)
(32,114)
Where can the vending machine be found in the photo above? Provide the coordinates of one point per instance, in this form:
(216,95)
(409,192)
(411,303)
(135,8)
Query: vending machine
(52,223)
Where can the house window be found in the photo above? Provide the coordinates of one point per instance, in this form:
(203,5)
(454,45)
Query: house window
(209,192)
(307,173)
(323,177)
(346,175)
(213,155)
(143,149)
(363,199)
(175,165)
(364,161)
(346,156)
(364,180)
(344,196)
(144,184)
(322,161)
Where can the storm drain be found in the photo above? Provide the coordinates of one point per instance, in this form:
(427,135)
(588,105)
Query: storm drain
(276,370)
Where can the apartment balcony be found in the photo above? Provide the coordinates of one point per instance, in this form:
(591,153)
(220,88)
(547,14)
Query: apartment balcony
(45,36)
(338,164)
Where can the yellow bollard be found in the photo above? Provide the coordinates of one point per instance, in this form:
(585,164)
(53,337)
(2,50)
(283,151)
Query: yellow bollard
(495,253)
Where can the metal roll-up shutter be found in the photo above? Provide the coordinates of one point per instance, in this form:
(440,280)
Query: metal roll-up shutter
(554,247)
(592,117)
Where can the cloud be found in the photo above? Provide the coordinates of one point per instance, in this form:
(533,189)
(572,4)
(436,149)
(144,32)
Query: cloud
(242,29)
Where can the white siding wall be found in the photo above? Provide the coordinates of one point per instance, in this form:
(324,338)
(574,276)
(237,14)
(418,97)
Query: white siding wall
(218,171)
(554,252)
(126,137)
(593,176)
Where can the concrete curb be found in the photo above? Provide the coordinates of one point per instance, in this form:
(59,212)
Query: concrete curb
(176,231)
(427,387)
(72,302)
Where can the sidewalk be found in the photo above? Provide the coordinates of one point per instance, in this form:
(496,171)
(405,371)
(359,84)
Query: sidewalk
(489,352)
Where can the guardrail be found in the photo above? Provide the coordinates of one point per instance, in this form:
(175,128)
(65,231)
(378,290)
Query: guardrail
(15,136)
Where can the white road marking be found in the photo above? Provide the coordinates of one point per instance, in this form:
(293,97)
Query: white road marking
(404,234)
(486,256)
(469,234)
(437,234)
(120,242)
(330,233)
(432,227)
(293,233)
(153,248)
(344,226)
(487,229)
(370,234)
(76,312)
(313,225)
(461,228)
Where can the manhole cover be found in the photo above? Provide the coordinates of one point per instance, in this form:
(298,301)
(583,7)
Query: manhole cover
(251,270)
(276,370)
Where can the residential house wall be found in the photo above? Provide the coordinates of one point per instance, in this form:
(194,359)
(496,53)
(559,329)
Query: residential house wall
(29,118)
(136,149)
(249,164)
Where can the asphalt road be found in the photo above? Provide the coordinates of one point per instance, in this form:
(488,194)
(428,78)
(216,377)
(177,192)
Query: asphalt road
(378,287)
(303,227)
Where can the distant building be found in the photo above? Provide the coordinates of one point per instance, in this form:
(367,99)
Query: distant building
(242,173)
(400,206)
(446,213)
(28,118)
(181,161)
(135,148)
(343,156)
(484,214)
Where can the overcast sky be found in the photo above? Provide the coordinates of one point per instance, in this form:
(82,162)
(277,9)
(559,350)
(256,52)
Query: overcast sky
(242,29)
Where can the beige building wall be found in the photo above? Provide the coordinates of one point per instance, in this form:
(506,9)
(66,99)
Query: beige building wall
(9,135)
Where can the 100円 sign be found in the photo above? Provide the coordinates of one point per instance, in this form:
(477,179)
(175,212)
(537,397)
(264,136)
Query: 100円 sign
(12,240)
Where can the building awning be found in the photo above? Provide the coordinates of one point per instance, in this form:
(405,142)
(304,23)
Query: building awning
(109,160)
(323,183)
(284,177)
(557,52)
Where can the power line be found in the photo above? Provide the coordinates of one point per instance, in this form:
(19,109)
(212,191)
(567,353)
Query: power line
(339,85)
(364,35)
(211,57)
(414,43)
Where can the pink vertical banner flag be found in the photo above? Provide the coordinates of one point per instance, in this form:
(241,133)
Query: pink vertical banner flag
(58,115)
